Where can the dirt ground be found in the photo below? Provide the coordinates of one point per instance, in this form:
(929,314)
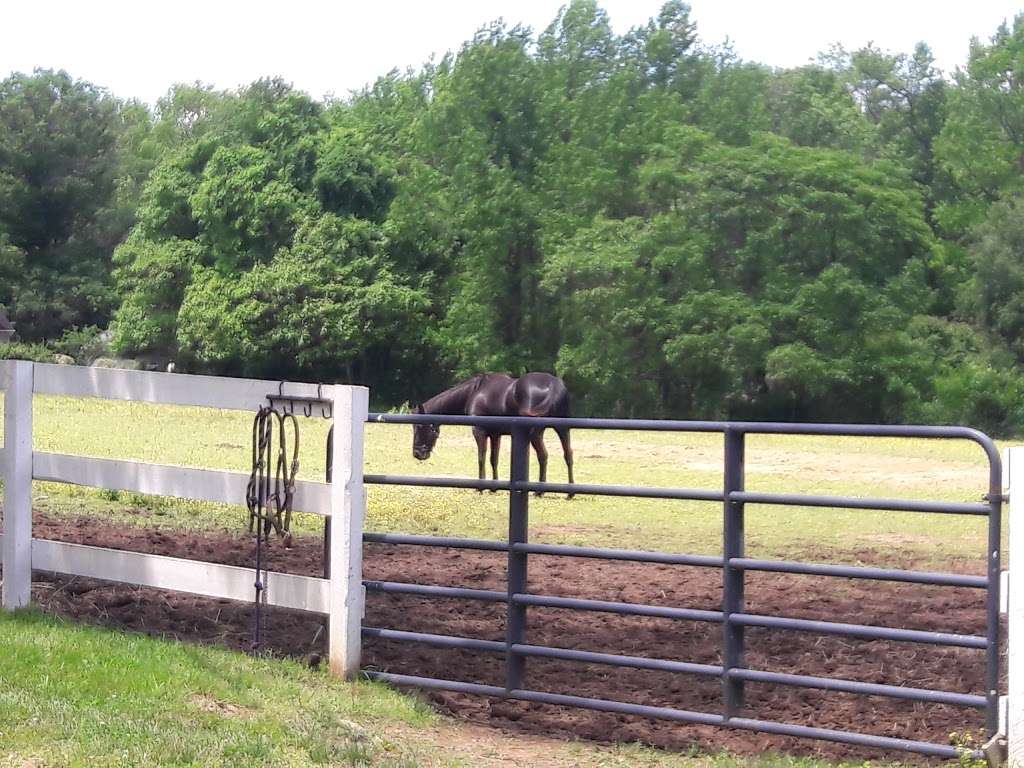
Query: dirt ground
(294,633)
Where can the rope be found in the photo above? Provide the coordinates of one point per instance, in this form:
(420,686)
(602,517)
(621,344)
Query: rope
(270,502)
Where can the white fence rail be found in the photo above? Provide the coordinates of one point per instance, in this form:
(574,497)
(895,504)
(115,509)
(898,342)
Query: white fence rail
(341,596)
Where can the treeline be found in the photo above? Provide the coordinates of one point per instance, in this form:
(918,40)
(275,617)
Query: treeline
(674,231)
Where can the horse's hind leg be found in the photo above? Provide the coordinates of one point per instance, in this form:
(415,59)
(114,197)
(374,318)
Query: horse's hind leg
(495,450)
(481,452)
(537,440)
(563,435)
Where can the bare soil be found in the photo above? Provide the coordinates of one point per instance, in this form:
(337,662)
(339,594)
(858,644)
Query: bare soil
(292,633)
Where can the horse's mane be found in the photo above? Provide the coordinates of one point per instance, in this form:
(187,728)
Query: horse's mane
(454,397)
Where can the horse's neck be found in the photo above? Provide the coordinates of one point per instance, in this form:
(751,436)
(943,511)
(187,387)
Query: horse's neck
(452,401)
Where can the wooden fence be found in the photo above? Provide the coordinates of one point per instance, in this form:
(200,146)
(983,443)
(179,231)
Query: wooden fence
(341,597)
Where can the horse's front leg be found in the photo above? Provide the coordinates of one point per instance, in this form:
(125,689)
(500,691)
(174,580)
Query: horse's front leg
(481,452)
(495,450)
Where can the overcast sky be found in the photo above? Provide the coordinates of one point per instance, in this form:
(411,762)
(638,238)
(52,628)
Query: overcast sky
(138,48)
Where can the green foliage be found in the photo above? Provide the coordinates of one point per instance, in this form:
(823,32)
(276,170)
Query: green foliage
(37,353)
(263,252)
(672,229)
(83,344)
(997,290)
(60,215)
(981,144)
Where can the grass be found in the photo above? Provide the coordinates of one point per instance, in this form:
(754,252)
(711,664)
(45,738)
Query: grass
(75,696)
(80,696)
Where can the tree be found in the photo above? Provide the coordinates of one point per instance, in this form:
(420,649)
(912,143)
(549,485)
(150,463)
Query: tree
(996,294)
(260,250)
(60,168)
(982,142)
(770,281)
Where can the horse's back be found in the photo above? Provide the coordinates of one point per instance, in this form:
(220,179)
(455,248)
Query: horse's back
(491,395)
(540,394)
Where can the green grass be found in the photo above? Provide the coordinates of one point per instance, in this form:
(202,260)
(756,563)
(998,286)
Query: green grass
(73,695)
(79,696)
(920,469)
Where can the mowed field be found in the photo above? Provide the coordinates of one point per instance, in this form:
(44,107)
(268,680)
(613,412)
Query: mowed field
(940,470)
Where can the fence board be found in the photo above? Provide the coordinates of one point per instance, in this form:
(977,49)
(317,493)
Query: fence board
(16,472)
(304,593)
(165,388)
(163,480)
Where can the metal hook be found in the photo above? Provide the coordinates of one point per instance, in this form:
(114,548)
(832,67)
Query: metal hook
(308,410)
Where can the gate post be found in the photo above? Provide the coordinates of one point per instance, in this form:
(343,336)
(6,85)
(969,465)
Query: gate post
(1015,609)
(518,527)
(732,578)
(17,475)
(348,511)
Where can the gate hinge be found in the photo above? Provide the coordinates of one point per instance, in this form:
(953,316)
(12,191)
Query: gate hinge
(995,751)
(1000,497)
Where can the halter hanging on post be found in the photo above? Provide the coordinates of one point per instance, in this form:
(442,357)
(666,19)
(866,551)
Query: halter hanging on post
(270,504)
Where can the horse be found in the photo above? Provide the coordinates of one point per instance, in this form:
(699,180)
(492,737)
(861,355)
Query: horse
(495,394)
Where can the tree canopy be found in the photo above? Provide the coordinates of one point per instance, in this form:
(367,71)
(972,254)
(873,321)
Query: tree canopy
(673,230)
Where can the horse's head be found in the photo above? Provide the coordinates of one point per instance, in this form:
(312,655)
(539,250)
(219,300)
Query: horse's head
(424,438)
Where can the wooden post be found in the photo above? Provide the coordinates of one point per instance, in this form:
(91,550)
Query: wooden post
(348,510)
(1014,601)
(17,474)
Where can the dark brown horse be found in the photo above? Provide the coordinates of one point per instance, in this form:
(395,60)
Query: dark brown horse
(495,394)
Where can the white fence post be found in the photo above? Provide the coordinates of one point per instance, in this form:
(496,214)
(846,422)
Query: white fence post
(1014,600)
(17,474)
(348,510)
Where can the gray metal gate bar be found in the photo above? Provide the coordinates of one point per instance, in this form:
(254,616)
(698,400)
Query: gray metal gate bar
(617,660)
(853,502)
(429,590)
(441,641)
(680,715)
(625,609)
(861,572)
(635,556)
(863,631)
(436,541)
(865,689)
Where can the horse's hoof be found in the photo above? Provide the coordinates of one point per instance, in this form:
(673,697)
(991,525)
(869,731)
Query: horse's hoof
(570,497)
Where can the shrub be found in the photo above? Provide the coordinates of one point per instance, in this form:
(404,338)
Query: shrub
(37,353)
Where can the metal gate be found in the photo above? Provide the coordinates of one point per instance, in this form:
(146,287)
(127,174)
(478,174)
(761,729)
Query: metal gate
(732,617)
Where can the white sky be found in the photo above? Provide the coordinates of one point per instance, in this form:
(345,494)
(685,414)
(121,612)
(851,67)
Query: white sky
(138,48)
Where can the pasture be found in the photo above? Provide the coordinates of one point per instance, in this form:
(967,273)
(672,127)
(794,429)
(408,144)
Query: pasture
(914,469)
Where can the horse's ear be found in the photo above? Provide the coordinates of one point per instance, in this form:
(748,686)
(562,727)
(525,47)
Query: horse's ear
(419,409)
